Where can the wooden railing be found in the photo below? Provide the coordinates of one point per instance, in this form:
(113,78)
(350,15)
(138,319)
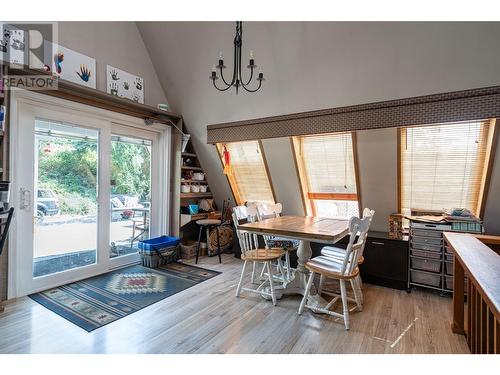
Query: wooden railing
(481,265)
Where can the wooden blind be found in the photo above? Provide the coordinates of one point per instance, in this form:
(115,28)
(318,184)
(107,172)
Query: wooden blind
(329,163)
(328,173)
(443,166)
(249,179)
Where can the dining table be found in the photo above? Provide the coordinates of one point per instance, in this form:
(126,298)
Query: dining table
(306,229)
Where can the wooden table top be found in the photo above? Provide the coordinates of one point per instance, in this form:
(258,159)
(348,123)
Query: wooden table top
(317,229)
(481,263)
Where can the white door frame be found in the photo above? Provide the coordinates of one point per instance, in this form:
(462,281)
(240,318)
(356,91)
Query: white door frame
(38,105)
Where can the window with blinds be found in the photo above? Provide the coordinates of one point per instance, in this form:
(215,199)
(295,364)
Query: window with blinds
(444,166)
(249,179)
(326,165)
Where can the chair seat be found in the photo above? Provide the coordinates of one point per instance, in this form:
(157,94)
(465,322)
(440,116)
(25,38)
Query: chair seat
(208,222)
(337,252)
(327,266)
(263,254)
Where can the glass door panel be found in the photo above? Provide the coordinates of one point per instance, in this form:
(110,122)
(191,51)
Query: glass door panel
(65,189)
(130,200)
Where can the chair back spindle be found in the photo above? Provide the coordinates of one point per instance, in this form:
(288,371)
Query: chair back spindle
(268,211)
(248,241)
(354,249)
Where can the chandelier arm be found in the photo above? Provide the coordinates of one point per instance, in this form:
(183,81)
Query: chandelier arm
(222,76)
(257,89)
(223,89)
(251,76)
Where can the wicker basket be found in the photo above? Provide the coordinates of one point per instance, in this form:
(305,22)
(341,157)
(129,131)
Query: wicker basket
(396,226)
(188,249)
(164,256)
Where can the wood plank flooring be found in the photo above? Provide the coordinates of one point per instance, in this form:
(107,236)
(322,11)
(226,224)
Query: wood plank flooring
(208,318)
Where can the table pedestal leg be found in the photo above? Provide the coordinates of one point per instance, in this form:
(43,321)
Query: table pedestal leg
(299,279)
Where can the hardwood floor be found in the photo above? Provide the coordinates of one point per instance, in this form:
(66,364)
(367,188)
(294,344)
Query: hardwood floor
(208,318)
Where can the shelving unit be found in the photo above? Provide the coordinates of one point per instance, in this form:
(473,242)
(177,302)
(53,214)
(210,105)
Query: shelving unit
(185,167)
(190,165)
(196,195)
(430,261)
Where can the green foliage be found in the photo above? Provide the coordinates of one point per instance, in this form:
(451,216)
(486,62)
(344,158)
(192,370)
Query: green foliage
(69,168)
(130,169)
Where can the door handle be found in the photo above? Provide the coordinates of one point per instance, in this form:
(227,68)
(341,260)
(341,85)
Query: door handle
(377,243)
(24,199)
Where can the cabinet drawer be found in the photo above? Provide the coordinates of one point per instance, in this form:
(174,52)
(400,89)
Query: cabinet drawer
(426,247)
(435,227)
(425,254)
(426,233)
(427,240)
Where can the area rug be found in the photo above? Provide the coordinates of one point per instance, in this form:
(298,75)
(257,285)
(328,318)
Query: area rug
(100,300)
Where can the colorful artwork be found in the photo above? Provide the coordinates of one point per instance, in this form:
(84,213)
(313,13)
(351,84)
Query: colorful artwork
(12,45)
(124,84)
(70,65)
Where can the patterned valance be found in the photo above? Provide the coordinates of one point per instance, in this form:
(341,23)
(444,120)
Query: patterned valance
(474,104)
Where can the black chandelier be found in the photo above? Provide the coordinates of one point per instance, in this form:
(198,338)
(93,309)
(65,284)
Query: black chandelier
(237,80)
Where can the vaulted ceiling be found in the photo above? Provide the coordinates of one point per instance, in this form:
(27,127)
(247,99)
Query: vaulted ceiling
(314,65)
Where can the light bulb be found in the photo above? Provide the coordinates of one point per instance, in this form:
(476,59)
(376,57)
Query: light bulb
(251,54)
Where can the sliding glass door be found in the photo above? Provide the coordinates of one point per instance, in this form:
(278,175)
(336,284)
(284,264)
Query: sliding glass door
(86,192)
(65,189)
(130,202)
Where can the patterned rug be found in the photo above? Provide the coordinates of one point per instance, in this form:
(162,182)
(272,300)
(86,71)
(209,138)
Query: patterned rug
(97,301)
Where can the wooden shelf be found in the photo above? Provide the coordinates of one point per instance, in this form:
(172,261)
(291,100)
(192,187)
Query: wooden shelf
(98,98)
(195,181)
(192,168)
(196,195)
(189,154)
(187,218)
(199,216)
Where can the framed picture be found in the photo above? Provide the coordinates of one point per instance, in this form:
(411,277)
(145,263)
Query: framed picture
(70,65)
(124,84)
(12,44)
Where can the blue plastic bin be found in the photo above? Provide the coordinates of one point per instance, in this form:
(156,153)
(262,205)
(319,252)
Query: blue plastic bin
(158,251)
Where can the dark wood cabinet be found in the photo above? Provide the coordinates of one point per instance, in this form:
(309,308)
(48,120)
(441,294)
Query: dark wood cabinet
(386,261)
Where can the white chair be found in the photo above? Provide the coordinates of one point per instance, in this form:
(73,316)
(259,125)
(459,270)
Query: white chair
(250,252)
(339,253)
(346,270)
(266,211)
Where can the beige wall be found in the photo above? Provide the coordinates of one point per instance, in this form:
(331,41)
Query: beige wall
(118,44)
(315,65)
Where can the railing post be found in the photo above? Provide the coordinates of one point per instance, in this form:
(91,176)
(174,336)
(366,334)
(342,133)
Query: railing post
(457,326)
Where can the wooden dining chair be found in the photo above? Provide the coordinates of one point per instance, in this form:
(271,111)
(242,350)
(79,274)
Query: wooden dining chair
(251,253)
(267,211)
(338,253)
(346,270)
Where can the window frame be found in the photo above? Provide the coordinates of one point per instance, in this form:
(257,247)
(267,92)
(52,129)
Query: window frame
(491,146)
(307,201)
(230,179)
